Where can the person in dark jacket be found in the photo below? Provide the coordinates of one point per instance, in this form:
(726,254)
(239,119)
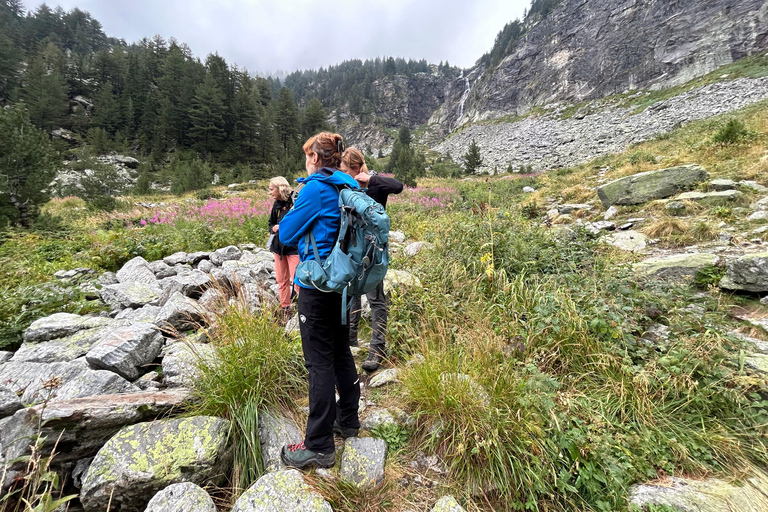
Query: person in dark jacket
(286,257)
(323,337)
(379,188)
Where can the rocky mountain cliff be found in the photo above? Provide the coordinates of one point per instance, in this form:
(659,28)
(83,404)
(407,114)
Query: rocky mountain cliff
(583,50)
(589,49)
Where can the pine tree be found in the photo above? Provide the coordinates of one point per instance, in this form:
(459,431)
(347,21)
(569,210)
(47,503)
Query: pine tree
(247,116)
(27,166)
(404,135)
(315,119)
(45,94)
(207,116)
(286,119)
(472,159)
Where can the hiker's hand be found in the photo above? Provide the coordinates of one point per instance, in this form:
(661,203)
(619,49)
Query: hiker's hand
(363,178)
(275,228)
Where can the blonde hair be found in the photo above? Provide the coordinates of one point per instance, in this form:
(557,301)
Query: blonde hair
(354,159)
(328,146)
(283,188)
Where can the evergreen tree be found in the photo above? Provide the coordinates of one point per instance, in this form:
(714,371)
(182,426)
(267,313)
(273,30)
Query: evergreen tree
(287,120)
(247,116)
(315,119)
(404,136)
(472,159)
(45,94)
(207,117)
(27,166)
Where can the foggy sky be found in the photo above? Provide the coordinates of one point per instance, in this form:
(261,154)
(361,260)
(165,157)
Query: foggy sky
(272,35)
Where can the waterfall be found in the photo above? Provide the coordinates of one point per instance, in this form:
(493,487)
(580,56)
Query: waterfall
(463,99)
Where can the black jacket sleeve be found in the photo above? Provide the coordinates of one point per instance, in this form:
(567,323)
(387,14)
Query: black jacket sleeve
(273,220)
(384,185)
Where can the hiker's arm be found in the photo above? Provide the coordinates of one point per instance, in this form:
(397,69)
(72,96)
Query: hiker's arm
(387,185)
(299,220)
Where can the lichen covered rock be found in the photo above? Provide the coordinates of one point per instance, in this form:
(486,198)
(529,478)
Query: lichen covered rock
(281,490)
(748,273)
(363,460)
(677,266)
(182,497)
(647,186)
(141,459)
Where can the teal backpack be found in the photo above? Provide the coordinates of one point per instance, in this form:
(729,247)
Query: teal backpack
(359,259)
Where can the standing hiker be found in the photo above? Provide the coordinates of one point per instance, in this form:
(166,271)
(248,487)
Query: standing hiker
(324,339)
(286,257)
(379,188)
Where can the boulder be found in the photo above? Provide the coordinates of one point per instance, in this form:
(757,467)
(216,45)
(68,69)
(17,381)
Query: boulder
(712,198)
(677,266)
(748,273)
(176,258)
(610,213)
(9,402)
(147,314)
(197,257)
(281,490)
(144,458)
(127,350)
(37,382)
(136,270)
(107,278)
(762,215)
(630,240)
(193,283)
(721,185)
(363,461)
(647,186)
(181,313)
(710,495)
(181,362)
(400,279)
(567,209)
(275,431)
(752,185)
(397,237)
(675,207)
(60,325)
(130,295)
(230,253)
(414,248)
(162,270)
(377,418)
(181,497)
(388,376)
(84,424)
(447,504)
(67,348)
(205,266)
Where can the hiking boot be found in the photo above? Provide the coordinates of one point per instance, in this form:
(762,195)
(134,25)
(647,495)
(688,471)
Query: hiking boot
(299,456)
(372,362)
(344,432)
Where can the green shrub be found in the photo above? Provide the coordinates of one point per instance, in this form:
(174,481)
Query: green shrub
(732,132)
(395,435)
(709,276)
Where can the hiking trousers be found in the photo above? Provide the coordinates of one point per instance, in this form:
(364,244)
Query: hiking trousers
(329,362)
(285,269)
(378,303)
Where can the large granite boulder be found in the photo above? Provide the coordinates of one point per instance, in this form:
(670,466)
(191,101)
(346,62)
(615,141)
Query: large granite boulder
(181,363)
(748,273)
(275,431)
(136,270)
(60,325)
(281,490)
(67,348)
(191,284)
(630,241)
(144,458)
(230,253)
(677,266)
(181,497)
(180,312)
(363,461)
(127,350)
(176,258)
(9,402)
(710,495)
(647,186)
(400,279)
(81,426)
(162,270)
(130,295)
(38,382)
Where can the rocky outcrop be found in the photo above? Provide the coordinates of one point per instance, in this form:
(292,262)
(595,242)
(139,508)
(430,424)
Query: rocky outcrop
(677,266)
(647,186)
(583,50)
(144,458)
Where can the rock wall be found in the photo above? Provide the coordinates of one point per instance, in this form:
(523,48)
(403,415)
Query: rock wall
(589,49)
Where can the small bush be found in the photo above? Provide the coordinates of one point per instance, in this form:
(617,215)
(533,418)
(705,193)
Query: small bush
(709,276)
(639,157)
(732,132)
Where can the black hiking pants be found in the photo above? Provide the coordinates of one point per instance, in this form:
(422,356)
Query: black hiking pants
(329,361)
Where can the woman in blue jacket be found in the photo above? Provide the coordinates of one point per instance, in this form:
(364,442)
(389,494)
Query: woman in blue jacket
(324,339)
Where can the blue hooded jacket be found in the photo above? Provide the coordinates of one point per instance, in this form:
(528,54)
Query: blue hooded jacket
(316,207)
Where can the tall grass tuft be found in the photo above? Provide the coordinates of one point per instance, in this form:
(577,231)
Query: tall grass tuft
(254,366)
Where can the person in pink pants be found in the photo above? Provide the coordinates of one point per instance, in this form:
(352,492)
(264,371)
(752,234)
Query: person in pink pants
(286,258)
